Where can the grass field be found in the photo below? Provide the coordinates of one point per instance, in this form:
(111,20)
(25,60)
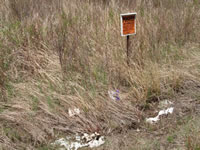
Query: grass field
(64,54)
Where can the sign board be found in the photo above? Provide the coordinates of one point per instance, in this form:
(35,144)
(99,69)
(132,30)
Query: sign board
(128,24)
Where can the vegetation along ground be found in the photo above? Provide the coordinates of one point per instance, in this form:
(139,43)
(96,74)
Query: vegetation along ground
(57,55)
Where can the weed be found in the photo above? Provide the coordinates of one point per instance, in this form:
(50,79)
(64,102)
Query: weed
(1,110)
(12,134)
(50,102)
(10,89)
(45,147)
(170,139)
(35,103)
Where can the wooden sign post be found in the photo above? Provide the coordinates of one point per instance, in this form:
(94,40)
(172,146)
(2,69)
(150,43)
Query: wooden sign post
(128,27)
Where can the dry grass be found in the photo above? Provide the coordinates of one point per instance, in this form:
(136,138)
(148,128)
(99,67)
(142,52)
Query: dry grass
(61,54)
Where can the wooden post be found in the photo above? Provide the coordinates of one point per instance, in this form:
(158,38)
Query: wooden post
(128,49)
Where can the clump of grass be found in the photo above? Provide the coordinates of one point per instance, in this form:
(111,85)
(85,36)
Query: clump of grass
(12,134)
(5,62)
(171,139)
(35,103)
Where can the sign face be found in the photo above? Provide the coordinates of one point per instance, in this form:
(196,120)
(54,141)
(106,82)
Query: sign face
(128,24)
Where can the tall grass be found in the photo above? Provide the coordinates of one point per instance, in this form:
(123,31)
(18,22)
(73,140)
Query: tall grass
(86,37)
(76,47)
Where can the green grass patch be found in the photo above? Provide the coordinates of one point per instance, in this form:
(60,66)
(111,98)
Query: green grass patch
(12,133)
(35,103)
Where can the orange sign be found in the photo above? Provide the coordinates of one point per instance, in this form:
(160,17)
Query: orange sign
(128,24)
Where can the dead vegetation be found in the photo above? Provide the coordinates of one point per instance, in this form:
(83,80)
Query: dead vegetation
(56,55)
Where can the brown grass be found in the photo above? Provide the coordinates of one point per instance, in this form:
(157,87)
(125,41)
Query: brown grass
(61,54)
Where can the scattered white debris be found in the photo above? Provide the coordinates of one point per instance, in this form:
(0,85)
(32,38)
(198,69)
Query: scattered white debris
(162,112)
(114,95)
(167,111)
(96,143)
(88,137)
(86,140)
(69,145)
(165,104)
(152,120)
(78,137)
(73,112)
